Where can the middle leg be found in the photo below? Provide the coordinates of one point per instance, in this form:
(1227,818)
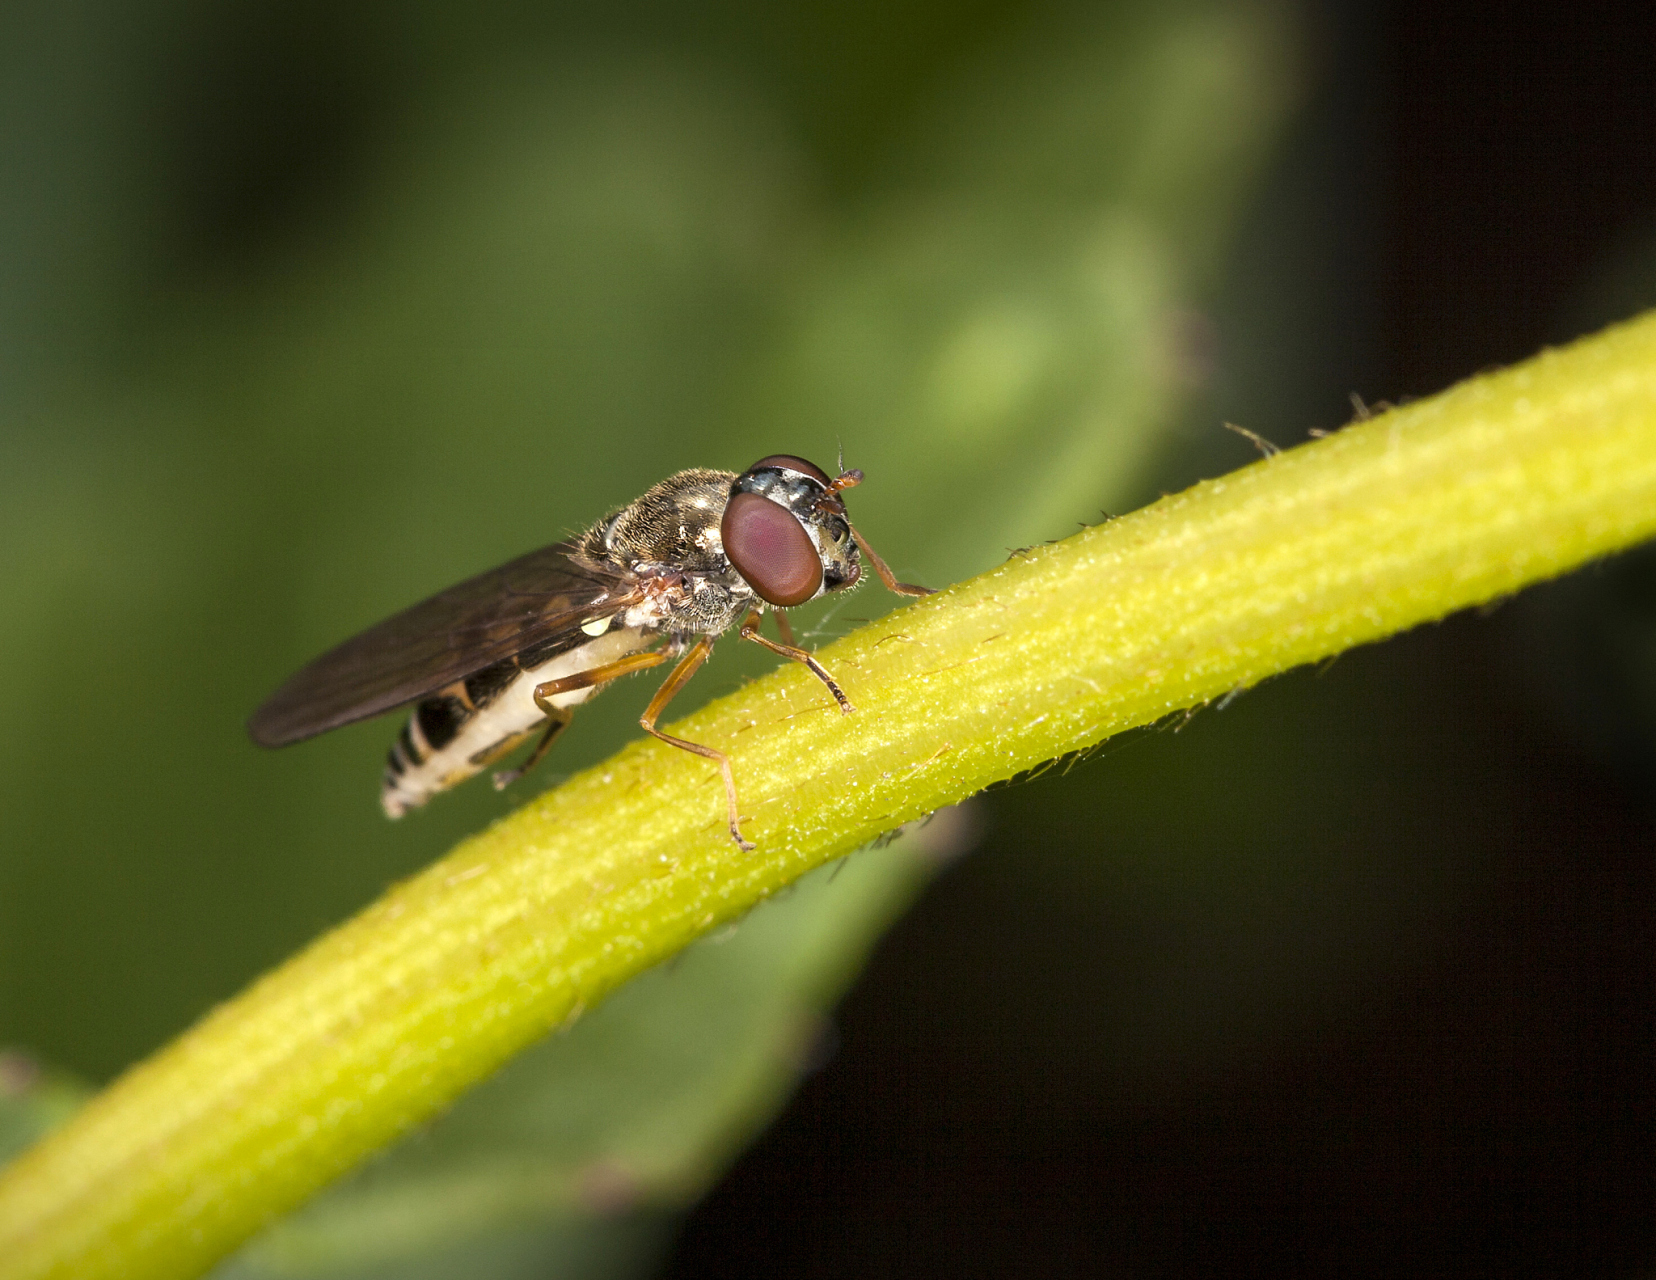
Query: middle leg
(687,667)
(750,631)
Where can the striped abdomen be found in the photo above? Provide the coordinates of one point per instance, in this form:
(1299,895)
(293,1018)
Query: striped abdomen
(467,726)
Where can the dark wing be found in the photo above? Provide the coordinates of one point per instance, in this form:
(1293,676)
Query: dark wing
(476,624)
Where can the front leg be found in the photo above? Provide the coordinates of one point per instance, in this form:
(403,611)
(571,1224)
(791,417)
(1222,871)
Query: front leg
(886,575)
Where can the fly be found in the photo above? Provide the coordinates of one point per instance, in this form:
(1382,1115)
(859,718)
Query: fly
(489,662)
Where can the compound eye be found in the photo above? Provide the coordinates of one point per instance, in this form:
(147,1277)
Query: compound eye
(771,549)
(791,463)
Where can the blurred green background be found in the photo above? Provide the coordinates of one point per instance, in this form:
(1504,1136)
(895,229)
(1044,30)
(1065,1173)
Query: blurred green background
(306,313)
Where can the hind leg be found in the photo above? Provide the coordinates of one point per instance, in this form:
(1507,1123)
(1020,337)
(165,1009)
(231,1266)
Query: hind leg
(557,723)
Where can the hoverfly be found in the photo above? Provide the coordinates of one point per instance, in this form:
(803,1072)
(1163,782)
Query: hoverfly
(490,661)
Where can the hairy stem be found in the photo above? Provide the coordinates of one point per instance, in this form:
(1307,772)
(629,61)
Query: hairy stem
(1505,480)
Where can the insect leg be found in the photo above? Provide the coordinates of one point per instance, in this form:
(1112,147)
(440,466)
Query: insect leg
(687,667)
(559,717)
(595,675)
(750,631)
(850,480)
(886,575)
(558,721)
(785,627)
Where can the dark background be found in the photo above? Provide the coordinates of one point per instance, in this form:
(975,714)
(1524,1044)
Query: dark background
(1479,1102)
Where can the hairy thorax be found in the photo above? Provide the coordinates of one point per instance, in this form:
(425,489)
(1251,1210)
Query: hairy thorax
(669,542)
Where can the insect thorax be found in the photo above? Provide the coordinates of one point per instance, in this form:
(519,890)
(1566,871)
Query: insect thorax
(669,541)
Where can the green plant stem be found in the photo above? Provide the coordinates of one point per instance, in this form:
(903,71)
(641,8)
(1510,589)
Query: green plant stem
(1505,480)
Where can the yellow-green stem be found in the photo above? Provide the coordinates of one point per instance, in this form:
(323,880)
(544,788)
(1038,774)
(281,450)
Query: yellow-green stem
(1502,481)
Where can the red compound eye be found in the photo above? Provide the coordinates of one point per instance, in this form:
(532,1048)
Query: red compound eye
(793,464)
(771,549)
